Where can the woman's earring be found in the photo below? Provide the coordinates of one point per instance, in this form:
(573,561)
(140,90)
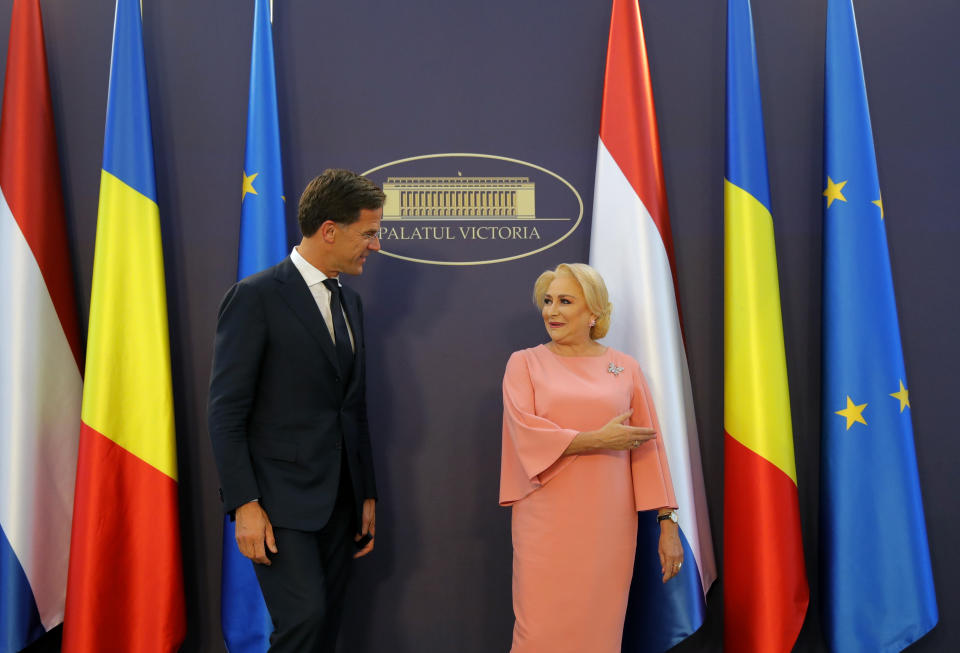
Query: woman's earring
(593,322)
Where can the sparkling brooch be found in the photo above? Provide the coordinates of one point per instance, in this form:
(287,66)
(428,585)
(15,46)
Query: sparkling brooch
(613,369)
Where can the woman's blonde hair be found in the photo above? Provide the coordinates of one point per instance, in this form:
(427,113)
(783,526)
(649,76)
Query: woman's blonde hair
(594,292)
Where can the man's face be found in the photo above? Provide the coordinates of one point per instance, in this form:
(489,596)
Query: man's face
(355,242)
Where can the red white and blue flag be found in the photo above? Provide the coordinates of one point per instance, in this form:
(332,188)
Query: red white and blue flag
(632,247)
(40,379)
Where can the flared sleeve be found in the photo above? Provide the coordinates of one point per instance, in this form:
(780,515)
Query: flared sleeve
(652,484)
(532,447)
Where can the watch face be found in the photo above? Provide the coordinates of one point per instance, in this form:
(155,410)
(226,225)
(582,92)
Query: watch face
(673,517)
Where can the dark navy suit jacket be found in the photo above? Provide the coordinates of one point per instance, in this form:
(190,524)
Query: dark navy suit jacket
(281,412)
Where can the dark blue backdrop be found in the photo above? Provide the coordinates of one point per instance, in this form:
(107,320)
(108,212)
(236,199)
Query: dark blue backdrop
(365,82)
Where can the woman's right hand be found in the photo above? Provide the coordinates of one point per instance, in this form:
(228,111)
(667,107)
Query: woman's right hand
(614,435)
(617,435)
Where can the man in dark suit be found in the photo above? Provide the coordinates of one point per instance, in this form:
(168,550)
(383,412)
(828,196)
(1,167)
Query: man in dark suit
(288,415)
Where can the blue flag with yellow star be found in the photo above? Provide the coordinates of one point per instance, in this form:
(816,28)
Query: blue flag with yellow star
(263,242)
(877,584)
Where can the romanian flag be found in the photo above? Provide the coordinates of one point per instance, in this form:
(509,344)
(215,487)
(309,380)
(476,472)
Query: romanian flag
(40,352)
(263,242)
(125,585)
(877,583)
(765,586)
(632,247)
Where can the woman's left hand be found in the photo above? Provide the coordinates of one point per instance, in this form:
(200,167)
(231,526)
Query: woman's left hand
(670,549)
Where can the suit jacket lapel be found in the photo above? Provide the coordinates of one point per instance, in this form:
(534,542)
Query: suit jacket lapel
(352,309)
(296,294)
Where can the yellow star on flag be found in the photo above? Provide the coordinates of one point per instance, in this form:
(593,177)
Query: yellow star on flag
(853,413)
(248,184)
(879,202)
(903,395)
(834,191)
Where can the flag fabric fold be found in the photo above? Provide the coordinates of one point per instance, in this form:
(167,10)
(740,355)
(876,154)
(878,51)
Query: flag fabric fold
(877,584)
(765,584)
(125,582)
(263,242)
(632,247)
(40,368)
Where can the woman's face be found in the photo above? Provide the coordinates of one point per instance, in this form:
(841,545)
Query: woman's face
(565,312)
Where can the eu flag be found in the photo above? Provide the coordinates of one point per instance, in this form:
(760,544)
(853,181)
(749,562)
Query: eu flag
(263,242)
(877,582)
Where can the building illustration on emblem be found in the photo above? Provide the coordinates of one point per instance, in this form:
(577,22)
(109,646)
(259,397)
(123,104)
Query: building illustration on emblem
(478,198)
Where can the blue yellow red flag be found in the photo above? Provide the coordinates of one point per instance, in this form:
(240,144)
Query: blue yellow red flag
(765,590)
(125,582)
(263,242)
(877,583)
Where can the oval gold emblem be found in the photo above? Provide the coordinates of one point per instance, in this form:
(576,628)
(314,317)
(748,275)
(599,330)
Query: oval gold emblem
(472,209)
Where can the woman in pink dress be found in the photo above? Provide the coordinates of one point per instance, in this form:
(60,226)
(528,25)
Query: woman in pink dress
(582,453)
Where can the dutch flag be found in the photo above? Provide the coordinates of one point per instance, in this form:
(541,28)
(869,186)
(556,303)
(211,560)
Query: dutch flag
(40,354)
(632,247)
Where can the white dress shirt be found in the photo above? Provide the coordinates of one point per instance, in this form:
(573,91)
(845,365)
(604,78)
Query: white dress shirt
(314,279)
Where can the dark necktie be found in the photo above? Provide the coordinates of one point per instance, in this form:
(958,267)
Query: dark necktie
(340,333)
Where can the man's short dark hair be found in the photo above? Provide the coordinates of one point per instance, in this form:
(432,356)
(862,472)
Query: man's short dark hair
(337,195)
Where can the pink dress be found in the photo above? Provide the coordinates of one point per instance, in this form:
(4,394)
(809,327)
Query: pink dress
(574,517)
